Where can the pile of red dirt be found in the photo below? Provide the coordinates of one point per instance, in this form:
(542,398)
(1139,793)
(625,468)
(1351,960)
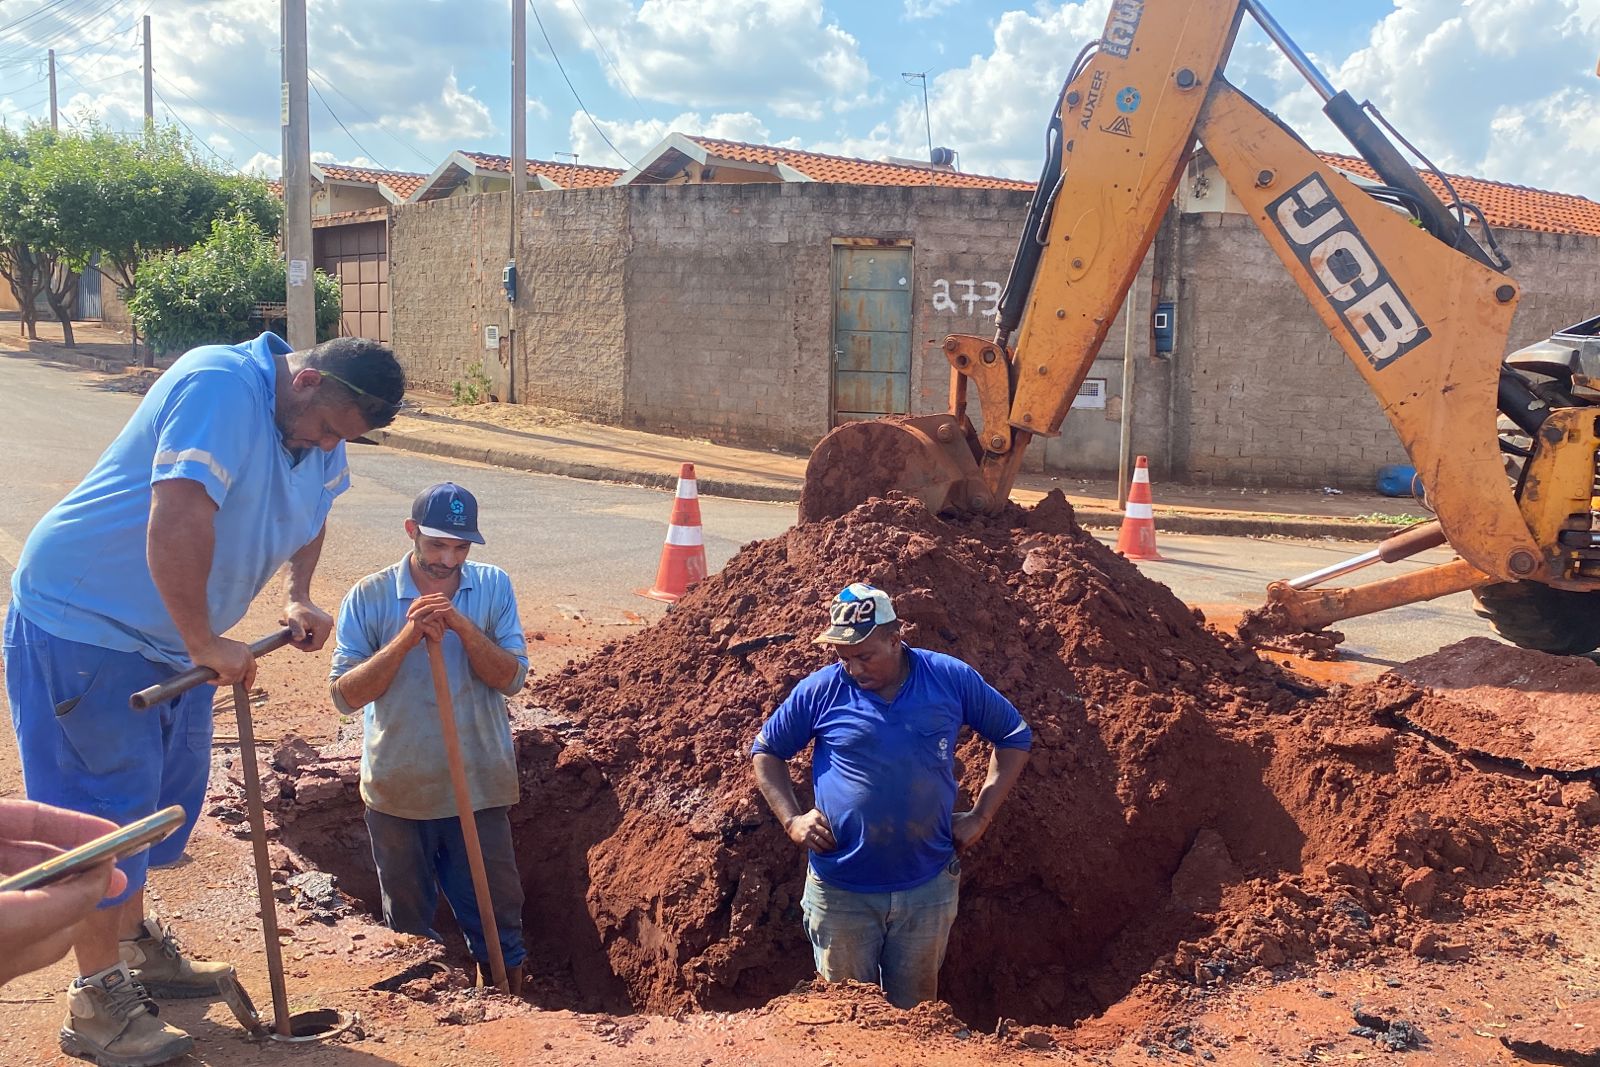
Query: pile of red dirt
(1190,811)
(1529,707)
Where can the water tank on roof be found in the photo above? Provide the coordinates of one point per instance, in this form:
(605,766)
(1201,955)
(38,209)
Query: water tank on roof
(943,157)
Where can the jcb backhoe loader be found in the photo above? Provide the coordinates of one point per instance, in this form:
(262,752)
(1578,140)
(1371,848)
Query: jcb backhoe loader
(1416,296)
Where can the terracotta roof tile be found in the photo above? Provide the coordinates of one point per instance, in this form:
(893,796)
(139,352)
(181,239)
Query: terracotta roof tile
(566,175)
(1514,207)
(820,167)
(401,183)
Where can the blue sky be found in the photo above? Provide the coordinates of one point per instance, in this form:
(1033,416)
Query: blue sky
(1503,89)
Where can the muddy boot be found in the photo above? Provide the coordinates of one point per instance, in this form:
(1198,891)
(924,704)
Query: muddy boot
(477,972)
(159,966)
(110,1022)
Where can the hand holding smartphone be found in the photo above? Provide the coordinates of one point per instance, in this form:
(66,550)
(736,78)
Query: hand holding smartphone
(55,866)
(107,848)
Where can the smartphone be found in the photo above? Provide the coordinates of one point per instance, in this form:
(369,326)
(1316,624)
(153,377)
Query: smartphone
(122,842)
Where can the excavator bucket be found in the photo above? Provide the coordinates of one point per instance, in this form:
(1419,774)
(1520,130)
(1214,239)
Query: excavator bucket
(925,456)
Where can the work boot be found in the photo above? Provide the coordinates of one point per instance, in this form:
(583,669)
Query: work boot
(515,976)
(159,966)
(111,1022)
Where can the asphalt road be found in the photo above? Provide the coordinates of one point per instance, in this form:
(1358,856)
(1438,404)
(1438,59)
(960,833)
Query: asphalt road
(578,550)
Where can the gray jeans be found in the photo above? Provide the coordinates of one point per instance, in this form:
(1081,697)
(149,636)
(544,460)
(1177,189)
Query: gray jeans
(896,940)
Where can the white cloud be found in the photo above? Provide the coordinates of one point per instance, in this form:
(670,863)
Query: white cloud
(927,9)
(1501,89)
(455,114)
(782,56)
(995,109)
(267,166)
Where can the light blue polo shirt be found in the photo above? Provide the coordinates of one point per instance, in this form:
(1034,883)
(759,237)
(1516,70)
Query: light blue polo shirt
(884,772)
(84,576)
(403,767)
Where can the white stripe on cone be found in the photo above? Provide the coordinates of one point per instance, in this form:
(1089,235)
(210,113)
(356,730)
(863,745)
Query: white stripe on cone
(684,535)
(1140,511)
(687,489)
(1141,474)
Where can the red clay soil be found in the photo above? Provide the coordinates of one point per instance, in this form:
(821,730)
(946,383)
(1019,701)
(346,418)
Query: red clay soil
(1190,811)
(1514,703)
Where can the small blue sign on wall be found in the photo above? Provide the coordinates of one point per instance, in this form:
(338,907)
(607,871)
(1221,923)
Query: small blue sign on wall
(1164,324)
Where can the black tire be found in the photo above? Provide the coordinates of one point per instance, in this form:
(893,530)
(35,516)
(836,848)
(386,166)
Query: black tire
(1534,615)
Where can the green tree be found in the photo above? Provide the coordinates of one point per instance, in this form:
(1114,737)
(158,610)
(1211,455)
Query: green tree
(18,264)
(130,198)
(32,259)
(210,293)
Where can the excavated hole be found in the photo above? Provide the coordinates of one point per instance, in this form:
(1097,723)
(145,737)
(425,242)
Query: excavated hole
(1056,924)
(1189,812)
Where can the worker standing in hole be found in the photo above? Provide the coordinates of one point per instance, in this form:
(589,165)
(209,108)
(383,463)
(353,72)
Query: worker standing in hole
(381,672)
(225,473)
(884,876)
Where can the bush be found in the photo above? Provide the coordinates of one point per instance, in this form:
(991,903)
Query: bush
(207,294)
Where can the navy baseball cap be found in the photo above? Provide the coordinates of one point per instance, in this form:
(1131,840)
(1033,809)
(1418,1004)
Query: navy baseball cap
(447,510)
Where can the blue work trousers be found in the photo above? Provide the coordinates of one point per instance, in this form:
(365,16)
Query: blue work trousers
(418,857)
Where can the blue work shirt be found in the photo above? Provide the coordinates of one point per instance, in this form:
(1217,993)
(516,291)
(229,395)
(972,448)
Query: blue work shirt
(84,576)
(403,768)
(883,772)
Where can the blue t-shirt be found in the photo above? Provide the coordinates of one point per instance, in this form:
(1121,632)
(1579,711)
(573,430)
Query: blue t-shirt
(883,773)
(84,576)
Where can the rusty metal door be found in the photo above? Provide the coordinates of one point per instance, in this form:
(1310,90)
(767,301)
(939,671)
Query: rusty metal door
(871,332)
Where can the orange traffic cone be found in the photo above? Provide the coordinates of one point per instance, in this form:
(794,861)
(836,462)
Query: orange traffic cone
(1137,538)
(683,557)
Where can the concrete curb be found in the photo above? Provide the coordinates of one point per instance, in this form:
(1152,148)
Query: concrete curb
(50,351)
(519,459)
(1251,524)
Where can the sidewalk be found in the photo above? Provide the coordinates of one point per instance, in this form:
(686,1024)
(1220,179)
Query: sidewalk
(550,443)
(97,347)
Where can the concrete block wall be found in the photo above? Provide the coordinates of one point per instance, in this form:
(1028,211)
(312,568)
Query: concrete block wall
(707,311)
(730,298)
(1265,395)
(573,263)
(439,290)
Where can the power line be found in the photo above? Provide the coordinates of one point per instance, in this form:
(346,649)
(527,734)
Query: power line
(30,16)
(574,91)
(178,88)
(74,26)
(377,122)
(364,149)
(230,164)
(598,44)
(84,85)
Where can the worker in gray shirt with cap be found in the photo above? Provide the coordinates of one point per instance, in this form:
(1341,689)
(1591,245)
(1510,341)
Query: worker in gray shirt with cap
(379,667)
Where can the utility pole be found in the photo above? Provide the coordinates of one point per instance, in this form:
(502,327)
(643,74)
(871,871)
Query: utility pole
(296,119)
(519,178)
(54,125)
(149,80)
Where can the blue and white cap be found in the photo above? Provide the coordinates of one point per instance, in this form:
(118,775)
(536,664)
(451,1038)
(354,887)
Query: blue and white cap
(855,613)
(447,510)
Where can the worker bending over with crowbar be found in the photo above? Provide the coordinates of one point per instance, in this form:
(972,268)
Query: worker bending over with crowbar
(225,473)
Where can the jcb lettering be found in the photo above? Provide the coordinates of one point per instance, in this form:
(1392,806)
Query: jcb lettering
(1121,26)
(1381,320)
(1385,323)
